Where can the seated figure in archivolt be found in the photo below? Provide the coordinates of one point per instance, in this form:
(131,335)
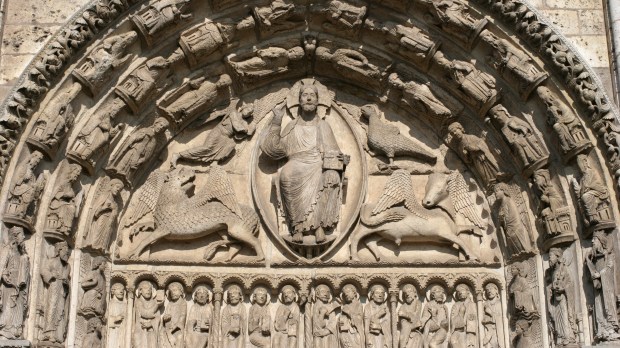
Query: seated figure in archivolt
(310,181)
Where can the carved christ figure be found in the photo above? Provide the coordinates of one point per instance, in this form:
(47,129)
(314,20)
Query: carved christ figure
(310,179)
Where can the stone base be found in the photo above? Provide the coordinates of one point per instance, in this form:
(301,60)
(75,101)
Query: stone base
(14,343)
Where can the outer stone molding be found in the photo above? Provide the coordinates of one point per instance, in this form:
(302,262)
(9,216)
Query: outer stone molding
(186,170)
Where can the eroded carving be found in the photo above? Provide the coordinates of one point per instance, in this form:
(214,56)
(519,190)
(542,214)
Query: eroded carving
(523,303)
(146,315)
(136,150)
(593,195)
(561,299)
(14,284)
(235,125)
(66,199)
(492,318)
(171,334)
(279,16)
(259,318)
(342,16)
(53,308)
(385,139)
(514,64)
(25,192)
(192,98)
(565,124)
(463,319)
(352,65)
(397,216)
(522,139)
(260,65)
(103,216)
(96,135)
(199,326)
(351,331)
(310,182)
(601,264)
(178,216)
(515,229)
(200,43)
(420,96)
(54,121)
(476,87)
(324,321)
(454,18)
(93,302)
(116,317)
(410,318)
(286,323)
(377,320)
(407,40)
(234,319)
(109,56)
(435,317)
(160,16)
(475,151)
(554,214)
(145,82)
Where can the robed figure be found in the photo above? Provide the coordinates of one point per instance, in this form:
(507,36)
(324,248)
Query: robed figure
(14,280)
(310,180)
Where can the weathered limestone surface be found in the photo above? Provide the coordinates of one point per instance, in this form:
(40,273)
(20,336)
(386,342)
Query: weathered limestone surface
(341,173)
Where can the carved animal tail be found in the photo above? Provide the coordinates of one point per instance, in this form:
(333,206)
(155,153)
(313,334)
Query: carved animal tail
(250,220)
(389,215)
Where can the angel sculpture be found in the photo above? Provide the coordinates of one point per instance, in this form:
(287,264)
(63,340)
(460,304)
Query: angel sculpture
(179,215)
(399,217)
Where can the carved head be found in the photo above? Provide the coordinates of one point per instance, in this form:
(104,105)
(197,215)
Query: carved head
(288,294)
(182,178)
(160,125)
(436,190)
(501,190)
(62,250)
(234,294)
(582,163)
(522,326)
(349,293)
(541,179)
(247,110)
(437,293)
(369,110)
(409,293)
(175,291)
(309,98)
(555,255)
(323,293)
(462,292)
(94,325)
(116,186)
(74,172)
(35,159)
(491,291)
(97,263)
(377,293)
(456,130)
(499,113)
(260,296)
(224,81)
(16,234)
(600,242)
(145,289)
(117,290)
(545,94)
(519,269)
(202,295)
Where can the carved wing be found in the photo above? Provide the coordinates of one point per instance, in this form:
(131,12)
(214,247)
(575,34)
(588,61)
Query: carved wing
(398,189)
(220,188)
(459,192)
(145,199)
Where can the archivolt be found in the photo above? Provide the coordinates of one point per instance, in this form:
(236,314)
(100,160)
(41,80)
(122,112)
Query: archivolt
(472,58)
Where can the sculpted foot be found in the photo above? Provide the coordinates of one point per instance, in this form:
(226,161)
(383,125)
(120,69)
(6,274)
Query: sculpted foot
(320,235)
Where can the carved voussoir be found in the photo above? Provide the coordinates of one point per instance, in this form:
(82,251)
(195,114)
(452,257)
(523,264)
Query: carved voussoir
(161,17)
